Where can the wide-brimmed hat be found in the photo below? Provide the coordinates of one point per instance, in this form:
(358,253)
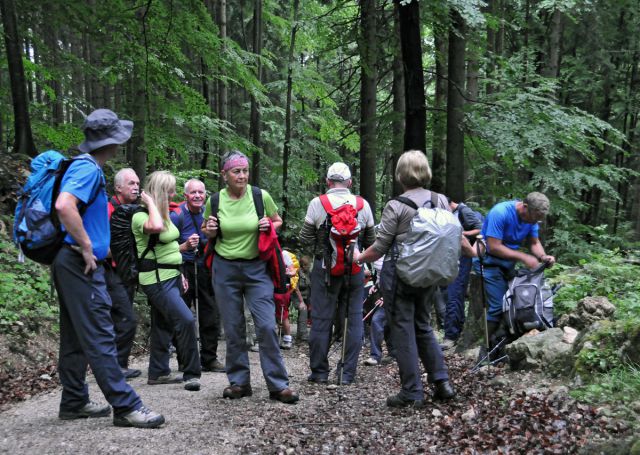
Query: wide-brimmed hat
(338,172)
(103,127)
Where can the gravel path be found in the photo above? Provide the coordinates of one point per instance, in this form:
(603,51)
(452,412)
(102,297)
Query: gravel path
(197,422)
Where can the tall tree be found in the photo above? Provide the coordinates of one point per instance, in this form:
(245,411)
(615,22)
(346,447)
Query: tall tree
(23,142)
(255,111)
(368,99)
(397,144)
(439,142)
(455,109)
(416,105)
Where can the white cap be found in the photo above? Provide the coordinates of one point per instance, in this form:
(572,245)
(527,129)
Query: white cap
(338,172)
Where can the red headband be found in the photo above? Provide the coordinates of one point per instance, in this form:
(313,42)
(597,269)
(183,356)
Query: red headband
(239,161)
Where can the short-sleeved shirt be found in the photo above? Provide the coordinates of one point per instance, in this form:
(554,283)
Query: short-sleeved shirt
(184,220)
(84,179)
(238,222)
(503,223)
(167,250)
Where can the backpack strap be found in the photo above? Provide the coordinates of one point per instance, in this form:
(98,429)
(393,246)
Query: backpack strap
(434,199)
(180,215)
(406,201)
(359,203)
(258,201)
(326,203)
(214,201)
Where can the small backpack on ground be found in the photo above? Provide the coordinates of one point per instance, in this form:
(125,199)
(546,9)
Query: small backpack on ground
(429,254)
(124,250)
(342,232)
(528,302)
(37,230)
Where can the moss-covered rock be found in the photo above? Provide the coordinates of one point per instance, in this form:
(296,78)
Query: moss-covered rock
(606,345)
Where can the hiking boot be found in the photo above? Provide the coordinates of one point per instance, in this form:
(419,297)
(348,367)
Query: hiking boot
(192,385)
(286,396)
(130,373)
(91,409)
(371,362)
(235,391)
(396,401)
(168,379)
(448,344)
(387,360)
(140,418)
(286,345)
(315,380)
(444,390)
(216,366)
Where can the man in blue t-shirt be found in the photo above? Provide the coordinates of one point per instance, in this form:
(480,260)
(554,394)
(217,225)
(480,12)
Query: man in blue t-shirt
(86,329)
(507,226)
(188,219)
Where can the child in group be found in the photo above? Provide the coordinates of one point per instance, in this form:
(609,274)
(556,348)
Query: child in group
(282,304)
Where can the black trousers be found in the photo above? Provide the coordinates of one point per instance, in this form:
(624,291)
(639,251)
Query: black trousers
(124,318)
(208,312)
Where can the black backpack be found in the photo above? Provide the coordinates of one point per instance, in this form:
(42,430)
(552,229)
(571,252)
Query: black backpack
(528,302)
(124,250)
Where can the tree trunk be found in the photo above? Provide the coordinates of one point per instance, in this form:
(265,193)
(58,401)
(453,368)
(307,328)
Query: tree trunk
(222,87)
(552,67)
(399,104)
(368,91)
(255,112)
(23,142)
(416,105)
(286,150)
(439,144)
(204,82)
(138,106)
(455,110)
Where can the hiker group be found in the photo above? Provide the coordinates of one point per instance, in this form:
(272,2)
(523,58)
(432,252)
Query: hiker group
(220,256)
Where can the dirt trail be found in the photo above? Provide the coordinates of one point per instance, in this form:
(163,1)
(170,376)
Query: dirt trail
(502,412)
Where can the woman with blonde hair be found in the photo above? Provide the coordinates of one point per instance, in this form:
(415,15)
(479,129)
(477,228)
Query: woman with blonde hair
(408,307)
(160,278)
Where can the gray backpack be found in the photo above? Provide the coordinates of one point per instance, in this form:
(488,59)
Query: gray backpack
(429,254)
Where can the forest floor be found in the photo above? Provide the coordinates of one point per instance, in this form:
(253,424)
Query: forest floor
(495,411)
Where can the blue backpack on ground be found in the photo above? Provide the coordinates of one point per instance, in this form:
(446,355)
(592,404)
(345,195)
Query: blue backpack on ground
(36,230)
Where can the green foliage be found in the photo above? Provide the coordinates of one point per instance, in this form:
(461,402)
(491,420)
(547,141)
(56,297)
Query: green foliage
(619,385)
(607,273)
(24,291)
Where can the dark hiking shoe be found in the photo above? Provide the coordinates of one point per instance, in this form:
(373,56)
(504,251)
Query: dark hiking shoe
(90,409)
(396,401)
(216,366)
(192,385)
(168,379)
(447,344)
(130,373)
(140,418)
(444,390)
(286,396)
(315,380)
(234,392)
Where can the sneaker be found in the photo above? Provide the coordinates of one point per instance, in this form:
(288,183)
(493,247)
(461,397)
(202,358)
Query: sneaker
(286,396)
(387,360)
(192,385)
(315,380)
(216,366)
(140,418)
(237,391)
(448,344)
(130,373)
(91,409)
(372,362)
(286,345)
(168,379)
(255,348)
(396,401)
(444,390)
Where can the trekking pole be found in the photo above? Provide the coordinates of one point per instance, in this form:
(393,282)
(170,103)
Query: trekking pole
(375,308)
(479,241)
(195,297)
(280,325)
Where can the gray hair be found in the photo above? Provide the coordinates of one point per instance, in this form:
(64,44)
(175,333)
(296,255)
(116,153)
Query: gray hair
(189,182)
(537,202)
(118,179)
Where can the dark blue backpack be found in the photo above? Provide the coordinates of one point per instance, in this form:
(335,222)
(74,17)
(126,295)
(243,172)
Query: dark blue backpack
(36,229)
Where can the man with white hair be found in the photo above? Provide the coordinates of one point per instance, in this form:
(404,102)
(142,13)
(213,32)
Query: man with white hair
(327,289)
(126,190)
(188,219)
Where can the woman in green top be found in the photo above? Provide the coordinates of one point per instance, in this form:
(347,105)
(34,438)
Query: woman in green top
(240,276)
(162,282)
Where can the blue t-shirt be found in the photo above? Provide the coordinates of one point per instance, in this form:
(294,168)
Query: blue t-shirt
(184,222)
(84,179)
(502,222)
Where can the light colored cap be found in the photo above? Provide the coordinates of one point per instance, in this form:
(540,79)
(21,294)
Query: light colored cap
(338,172)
